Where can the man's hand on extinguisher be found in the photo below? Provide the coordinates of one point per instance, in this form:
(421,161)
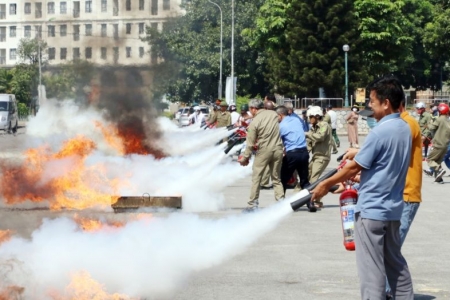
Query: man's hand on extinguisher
(350,154)
(320,190)
(244,161)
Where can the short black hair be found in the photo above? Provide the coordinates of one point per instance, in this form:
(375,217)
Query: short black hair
(271,97)
(388,87)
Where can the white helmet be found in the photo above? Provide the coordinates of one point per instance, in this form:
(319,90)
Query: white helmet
(420,105)
(196,108)
(314,111)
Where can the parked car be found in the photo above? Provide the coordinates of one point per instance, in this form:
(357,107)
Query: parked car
(9,117)
(187,111)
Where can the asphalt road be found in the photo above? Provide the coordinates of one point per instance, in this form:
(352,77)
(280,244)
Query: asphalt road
(303,258)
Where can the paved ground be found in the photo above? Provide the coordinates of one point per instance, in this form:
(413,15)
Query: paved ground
(303,258)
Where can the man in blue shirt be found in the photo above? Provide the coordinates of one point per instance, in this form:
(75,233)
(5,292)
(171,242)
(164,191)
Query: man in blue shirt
(383,161)
(296,155)
(291,113)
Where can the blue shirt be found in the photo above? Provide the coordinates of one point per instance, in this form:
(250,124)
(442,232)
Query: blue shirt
(292,133)
(304,125)
(384,157)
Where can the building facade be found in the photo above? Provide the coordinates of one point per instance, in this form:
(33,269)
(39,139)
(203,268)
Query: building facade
(105,32)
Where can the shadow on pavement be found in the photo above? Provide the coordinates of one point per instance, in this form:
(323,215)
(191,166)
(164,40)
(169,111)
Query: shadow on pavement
(423,297)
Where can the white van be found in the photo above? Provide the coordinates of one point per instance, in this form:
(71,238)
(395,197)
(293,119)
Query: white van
(9,118)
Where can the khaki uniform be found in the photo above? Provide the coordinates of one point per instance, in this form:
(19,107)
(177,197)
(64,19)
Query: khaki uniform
(318,139)
(440,141)
(327,119)
(424,120)
(223,119)
(264,132)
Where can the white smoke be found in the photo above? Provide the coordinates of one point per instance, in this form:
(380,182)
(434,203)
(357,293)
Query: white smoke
(149,258)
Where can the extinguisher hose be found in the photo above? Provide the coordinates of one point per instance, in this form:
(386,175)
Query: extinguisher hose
(232,145)
(307,199)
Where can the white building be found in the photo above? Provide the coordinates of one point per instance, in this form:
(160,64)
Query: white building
(100,31)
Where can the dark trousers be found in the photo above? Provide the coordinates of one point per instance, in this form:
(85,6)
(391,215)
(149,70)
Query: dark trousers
(295,160)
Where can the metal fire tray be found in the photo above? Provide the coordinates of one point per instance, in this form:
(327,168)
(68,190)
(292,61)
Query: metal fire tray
(126,203)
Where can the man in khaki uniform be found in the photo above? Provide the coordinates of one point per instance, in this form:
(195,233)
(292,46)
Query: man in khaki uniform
(425,118)
(264,133)
(318,141)
(441,140)
(223,117)
(265,182)
(327,119)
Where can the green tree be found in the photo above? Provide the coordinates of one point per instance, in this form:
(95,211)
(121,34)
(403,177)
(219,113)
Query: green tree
(189,50)
(5,81)
(28,50)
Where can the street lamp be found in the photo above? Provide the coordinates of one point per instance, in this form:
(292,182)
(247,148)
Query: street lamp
(232,52)
(221,53)
(346,48)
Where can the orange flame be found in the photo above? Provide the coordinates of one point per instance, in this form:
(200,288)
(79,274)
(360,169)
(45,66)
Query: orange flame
(83,287)
(5,235)
(110,134)
(95,225)
(60,178)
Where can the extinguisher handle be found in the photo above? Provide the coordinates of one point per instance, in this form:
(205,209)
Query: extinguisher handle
(324,177)
(341,156)
(307,199)
(334,188)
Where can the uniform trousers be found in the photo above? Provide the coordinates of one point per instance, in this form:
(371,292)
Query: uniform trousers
(378,256)
(271,158)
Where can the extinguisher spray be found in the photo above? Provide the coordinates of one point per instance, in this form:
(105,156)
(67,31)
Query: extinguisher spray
(347,201)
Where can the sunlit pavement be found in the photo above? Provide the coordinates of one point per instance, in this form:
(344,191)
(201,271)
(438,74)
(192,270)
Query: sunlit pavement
(303,258)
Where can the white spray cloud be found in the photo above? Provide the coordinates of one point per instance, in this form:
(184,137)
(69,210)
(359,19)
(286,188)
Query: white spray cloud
(148,258)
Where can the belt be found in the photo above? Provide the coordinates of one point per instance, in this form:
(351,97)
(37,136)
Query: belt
(297,150)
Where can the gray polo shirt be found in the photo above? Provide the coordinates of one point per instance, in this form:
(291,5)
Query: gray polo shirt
(384,157)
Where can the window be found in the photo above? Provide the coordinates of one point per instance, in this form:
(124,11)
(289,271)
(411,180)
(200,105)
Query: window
(116,54)
(51,7)
(88,6)
(128,28)
(154,25)
(154,7)
(63,53)
(103,52)
(76,9)
(88,53)
(12,54)
(141,52)
(38,12)
(38,30)
(27,8)
(63,30)
(2,57)
(76,32)
(27,31)
(141,4)
(63,8)
(104,5)
(128,49)
(104,30)
(88,29)
(51,53)
(2,34)
(12,31)
(166,4)
(51,30)
(116,31)
(2,11)
(153,57)
(13,10)
(141,28)
(128,5)
(76,53)
(115,8)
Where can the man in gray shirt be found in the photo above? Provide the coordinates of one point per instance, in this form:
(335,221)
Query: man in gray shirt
(383,162)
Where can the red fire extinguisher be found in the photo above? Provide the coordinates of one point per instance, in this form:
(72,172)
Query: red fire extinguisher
(347,201)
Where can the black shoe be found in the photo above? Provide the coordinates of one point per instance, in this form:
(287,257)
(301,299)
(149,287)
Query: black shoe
(335,152)
(428,173)
(263,187)
(439,175)
(311,207)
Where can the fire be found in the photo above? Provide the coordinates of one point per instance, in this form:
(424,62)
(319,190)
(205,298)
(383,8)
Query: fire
(5,235)
(84,287)
(95,225)
(60,178)
(110,134)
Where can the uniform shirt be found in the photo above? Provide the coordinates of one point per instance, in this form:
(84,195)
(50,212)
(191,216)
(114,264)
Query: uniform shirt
(234,117)
(442,135)
(385,158)
(263,131)
(424,120)
(292,133)
(319,138)
(413,184)
(223,119)
(333,118)
(305,126)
